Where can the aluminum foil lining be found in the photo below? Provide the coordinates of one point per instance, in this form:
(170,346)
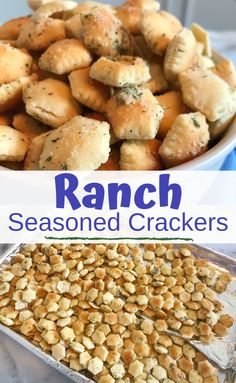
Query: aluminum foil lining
(221,352)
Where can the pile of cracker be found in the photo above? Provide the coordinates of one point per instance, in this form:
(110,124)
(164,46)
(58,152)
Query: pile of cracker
(91,86)
(106,309)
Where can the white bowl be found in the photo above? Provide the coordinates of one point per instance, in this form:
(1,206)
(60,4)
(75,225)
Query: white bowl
(214,158)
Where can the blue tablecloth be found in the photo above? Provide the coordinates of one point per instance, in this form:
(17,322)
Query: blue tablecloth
(230,161)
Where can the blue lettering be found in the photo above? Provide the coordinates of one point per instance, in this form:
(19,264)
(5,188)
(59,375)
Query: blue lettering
(165,188)
(63,192)
(200,224)
(222,222)
(31,221)
(171,224)
(139,196)
(13,220)
(94,201)
(113,191)
(74,222)
(58,221)
(131,221)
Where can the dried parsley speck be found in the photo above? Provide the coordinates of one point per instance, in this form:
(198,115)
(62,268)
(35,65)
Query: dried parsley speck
(64,166)
(196,123)
(56,139)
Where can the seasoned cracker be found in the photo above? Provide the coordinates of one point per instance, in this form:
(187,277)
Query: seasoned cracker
(87,91)
(80,144)
(29,126)
(102,117)
(130,17)
(206,92)
(103,33)
(180,55)
(217,128)
(11,94)
(14,64)
(144,5)
(13,144)
(159,29)
(10,30)
(226,70)
(65,56)
(121,71)
(74,27)
(50,101)
(173,105)
(53,7)
(158,82)
(39,35)
(140,155)
(35,4)
(187,139)
(112,162)
(202,36)
(87,5)
(203,61)
(134,114)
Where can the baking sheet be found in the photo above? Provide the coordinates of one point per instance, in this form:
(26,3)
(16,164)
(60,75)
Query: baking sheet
(221,352)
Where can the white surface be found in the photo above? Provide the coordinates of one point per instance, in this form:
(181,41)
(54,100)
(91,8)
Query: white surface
(17,365)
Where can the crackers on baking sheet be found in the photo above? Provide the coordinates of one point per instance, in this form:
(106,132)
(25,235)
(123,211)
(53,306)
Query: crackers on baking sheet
(106,309)
(133,66)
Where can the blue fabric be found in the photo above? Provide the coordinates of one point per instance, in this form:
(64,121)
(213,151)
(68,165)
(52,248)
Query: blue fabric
(230,161)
